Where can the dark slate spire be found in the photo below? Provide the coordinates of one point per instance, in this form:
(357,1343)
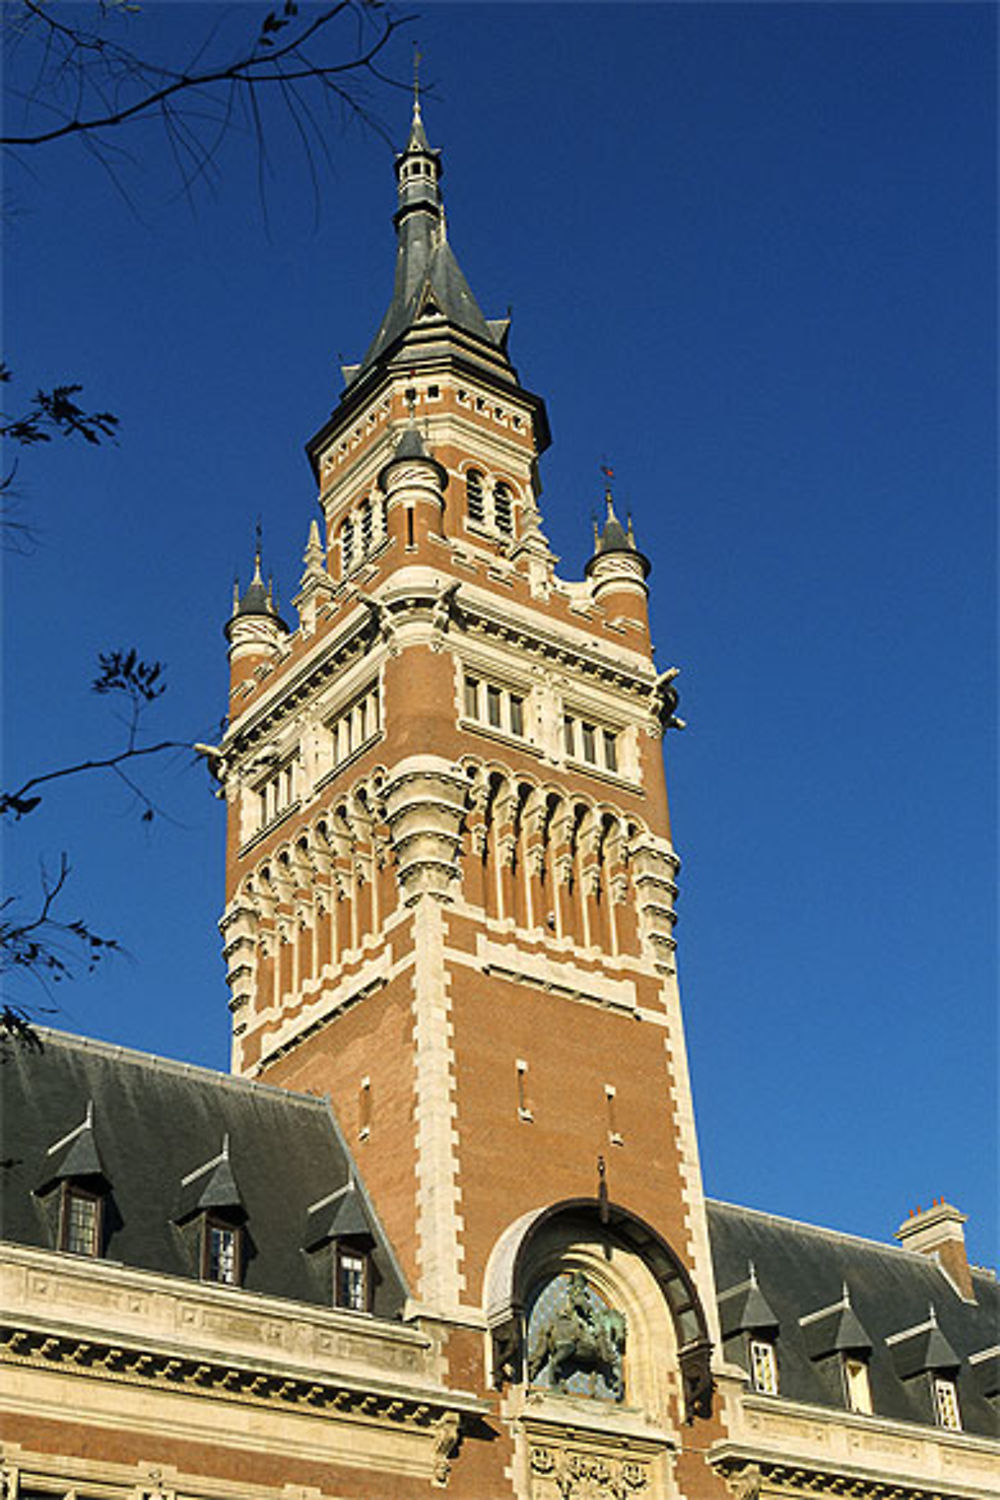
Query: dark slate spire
(614,537)
(429,282)
(258,597)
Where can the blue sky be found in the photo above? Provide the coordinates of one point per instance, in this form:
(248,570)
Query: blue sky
(751,256)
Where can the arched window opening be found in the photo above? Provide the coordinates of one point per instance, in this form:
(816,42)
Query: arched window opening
(365,519)
(475,499)
(503,509)
(347,546)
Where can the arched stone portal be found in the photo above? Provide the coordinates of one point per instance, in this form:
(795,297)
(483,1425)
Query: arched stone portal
(630,1266)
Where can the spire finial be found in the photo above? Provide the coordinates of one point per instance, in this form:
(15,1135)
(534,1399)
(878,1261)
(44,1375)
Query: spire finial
(258,547)
(609,474)
(418,58)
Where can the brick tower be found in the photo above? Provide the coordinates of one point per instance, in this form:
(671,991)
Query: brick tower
(450,877)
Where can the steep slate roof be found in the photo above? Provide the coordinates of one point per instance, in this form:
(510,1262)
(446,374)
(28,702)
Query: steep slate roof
(802,1270)
(428,282)
(154,1124)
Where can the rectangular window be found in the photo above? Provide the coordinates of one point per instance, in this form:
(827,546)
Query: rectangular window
(946,1405)
(610,750)
(277,793)
(472,698)
(859,1393)
(81,1221)
(516,715)
(493,706)
(355,726)
(365,1109)
(614,1134)
(763,1367)
(352,1280)
(569,735)
(589,738)
(221,1254)
(524,1111)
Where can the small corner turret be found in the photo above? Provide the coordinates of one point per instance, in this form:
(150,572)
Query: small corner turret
(617,571)
(255,630)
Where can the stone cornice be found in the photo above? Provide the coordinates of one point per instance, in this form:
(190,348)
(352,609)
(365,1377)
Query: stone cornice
(779,1447)
(750,1477)
(533,632)
(297,688)
(267,1382)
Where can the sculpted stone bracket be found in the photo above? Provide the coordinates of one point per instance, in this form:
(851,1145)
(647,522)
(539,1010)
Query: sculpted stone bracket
(224,1380)
(696,1375)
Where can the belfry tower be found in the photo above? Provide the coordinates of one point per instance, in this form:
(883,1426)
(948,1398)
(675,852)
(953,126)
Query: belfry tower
(451,882)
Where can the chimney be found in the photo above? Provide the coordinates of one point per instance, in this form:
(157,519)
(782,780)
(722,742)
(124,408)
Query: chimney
(937,1232)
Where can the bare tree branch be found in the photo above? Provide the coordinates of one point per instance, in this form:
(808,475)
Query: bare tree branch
(94,84)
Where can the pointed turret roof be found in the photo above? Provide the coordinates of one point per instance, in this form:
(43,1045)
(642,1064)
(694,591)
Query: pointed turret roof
(257,598)
(429,281)
(412,446)
(614,537)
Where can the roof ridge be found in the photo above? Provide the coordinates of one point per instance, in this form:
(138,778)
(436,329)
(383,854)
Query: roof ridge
(114,1050)
(824,1229)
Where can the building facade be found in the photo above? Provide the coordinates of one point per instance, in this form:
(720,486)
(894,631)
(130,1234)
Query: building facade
(444,1225)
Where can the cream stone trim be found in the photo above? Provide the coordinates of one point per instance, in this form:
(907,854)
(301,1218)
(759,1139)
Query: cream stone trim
(112,1348)
(335,992)
(534,629)
(103,1302)
(23,1469)
(439,1250)
(804,1450)
(292,691)
(549,973)
(689,1163)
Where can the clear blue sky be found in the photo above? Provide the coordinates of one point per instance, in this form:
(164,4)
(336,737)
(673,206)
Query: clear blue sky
(751,257)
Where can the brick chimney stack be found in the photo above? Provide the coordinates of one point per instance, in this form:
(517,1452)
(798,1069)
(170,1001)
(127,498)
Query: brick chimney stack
(937,1231)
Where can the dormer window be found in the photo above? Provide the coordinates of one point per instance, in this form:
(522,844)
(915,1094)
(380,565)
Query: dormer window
(74,1189)
(857,1387)
(80,1221)
(946,1410)
(351,1289)
(221,1252)
(764,1367)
